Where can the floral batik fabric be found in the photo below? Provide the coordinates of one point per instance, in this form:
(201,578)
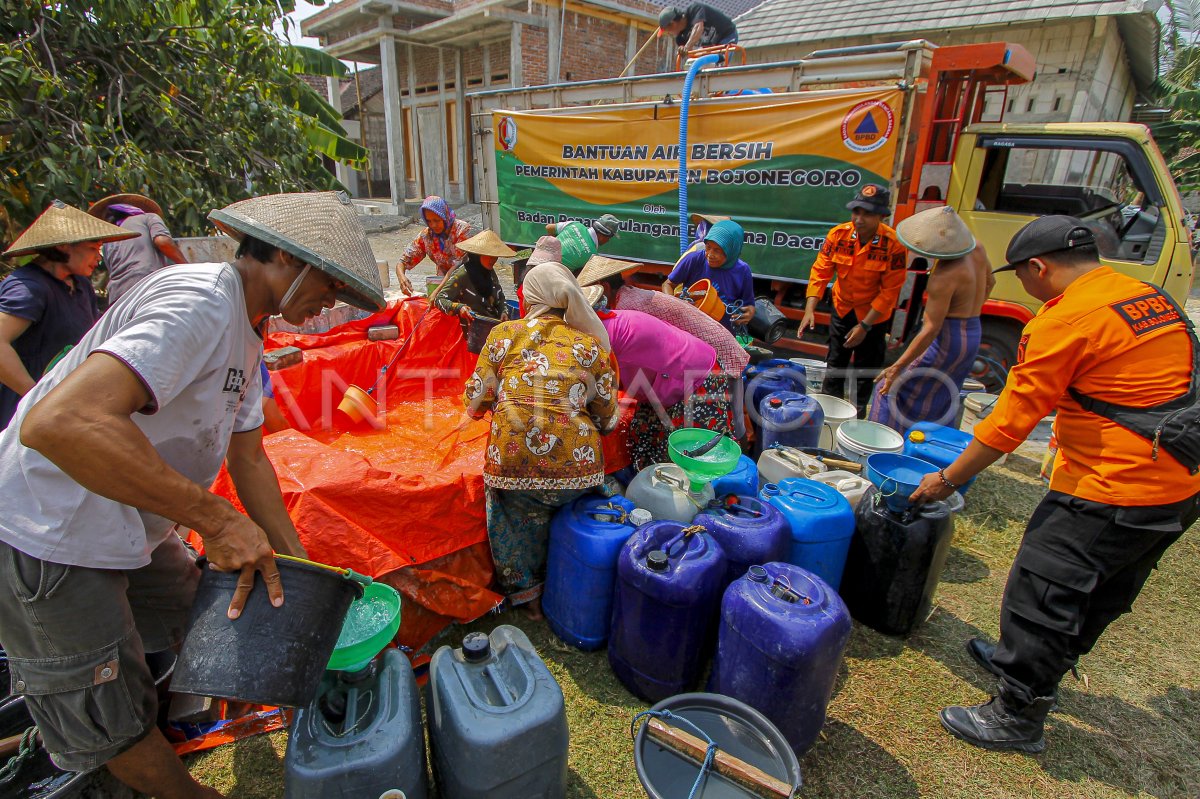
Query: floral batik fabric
(552,393)
(709,407)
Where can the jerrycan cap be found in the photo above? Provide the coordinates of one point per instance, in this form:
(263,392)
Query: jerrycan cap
(775,402)
(639,516)
(916,436)
(758,574)
(656,561)
(476,647)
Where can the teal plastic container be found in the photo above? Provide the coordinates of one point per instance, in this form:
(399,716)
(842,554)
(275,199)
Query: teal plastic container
(497,720)
(360,737)
(822,524)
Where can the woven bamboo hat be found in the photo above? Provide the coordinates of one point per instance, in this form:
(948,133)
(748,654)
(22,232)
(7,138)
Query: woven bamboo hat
(319,228)
(593,294)
(487,243)
(98,208)
(64,224)
(936,233)
(598,268)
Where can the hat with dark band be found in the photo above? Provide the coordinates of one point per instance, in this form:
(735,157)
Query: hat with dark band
(607,225)
(1046,235)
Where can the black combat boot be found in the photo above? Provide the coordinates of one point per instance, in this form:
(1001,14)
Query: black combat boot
(996,726)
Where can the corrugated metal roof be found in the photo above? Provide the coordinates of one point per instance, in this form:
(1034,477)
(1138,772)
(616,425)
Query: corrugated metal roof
(784,22)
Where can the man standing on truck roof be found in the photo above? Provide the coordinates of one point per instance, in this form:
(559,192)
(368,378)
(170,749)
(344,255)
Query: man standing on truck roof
(1107,352)
(924,383)
(697,25)
(869,263)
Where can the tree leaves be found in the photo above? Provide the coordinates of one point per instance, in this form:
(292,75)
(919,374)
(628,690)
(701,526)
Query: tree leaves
(196,103)
(1178,89)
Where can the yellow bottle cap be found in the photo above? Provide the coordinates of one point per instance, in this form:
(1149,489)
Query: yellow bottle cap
(916,436)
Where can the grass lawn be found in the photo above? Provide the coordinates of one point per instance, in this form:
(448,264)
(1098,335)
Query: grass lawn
(1129,727)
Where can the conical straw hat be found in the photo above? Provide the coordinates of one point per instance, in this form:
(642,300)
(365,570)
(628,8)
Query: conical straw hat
(319,228)
(593,294)
(936,233)
(487,243)
(599,267)
(64,224)
(98,208)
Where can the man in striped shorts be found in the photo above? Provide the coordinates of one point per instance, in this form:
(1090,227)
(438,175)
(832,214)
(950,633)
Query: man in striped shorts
(924,383)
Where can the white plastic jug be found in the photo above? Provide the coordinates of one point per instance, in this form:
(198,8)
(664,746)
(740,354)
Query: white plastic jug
(663,489)
(857,439)
(851,486)
(837,411)
(777,463)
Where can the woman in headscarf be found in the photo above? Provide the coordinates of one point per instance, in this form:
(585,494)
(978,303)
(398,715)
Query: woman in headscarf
(552,393)
(474,287)
(674,376)
(48,304)
(720,263)
(438,241)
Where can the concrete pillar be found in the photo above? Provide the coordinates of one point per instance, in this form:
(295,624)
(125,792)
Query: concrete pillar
(487,66)
(346,176)
(631,47)
(554,43)
(515,73)
(417,153)
(462,130)
(393,123)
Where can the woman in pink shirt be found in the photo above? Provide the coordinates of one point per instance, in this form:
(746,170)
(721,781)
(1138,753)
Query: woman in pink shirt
(672,374)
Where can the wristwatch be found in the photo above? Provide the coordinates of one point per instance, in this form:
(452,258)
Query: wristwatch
(865,326)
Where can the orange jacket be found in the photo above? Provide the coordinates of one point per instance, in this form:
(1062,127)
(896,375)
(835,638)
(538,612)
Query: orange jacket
(867,277)
(1113,338)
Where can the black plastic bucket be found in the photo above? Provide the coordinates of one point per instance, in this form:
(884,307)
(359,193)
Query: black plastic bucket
(735,727)
(268,655)
(478,331)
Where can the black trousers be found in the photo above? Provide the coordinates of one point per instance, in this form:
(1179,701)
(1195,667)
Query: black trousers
(1081,565)
(866,358)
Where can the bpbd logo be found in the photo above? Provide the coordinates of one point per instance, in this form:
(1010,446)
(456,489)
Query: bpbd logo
(868,126)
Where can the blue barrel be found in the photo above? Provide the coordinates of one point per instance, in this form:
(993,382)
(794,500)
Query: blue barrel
(780,645)
(742,481)
(789,419)
(937,444)
(497,719)
(822,523)
(749,531)
(775,374)
(669,579)
(581,568)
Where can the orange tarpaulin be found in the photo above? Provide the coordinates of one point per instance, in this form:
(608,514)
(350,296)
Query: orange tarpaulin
(400,499)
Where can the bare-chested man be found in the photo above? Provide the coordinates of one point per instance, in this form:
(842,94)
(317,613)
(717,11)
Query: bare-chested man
(923,385)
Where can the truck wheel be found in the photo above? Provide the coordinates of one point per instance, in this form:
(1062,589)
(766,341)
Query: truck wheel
(997,353)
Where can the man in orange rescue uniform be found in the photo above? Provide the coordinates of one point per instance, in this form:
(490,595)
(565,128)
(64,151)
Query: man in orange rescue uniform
(869,262)
(1117,499)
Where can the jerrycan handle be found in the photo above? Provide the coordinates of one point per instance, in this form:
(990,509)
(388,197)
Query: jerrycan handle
(782,589)
(669,479)
(683,535)
(610,511)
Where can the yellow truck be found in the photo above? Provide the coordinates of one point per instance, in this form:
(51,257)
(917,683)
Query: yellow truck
(781,147)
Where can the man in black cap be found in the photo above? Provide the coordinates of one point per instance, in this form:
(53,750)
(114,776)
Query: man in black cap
(1107,352)
(869,263)
(697,25)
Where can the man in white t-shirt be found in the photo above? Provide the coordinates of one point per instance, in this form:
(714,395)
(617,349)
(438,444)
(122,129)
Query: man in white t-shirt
(119,443)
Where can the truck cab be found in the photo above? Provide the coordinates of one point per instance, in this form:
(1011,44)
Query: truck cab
(1110,175)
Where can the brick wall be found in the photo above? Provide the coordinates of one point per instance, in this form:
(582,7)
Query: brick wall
(535,55)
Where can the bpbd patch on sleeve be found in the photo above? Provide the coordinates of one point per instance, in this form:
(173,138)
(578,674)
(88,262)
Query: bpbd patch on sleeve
(1147,313)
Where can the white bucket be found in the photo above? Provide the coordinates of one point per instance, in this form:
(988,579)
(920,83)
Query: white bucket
(837,410)
(851,486)
(976,407)
(814,373)
(858,438)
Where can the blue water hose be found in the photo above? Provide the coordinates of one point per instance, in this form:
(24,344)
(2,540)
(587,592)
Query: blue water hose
(696,66)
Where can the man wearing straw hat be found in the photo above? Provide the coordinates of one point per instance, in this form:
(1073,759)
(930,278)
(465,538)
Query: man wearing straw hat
(924,383)
(48,304)
(131,260)
(118,445)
